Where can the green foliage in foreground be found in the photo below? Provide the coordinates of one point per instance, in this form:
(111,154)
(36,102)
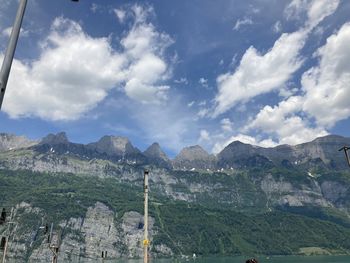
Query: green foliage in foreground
(196,229)
(185,228)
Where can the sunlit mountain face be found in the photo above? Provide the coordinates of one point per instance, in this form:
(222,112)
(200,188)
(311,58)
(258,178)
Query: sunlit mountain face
(179,73)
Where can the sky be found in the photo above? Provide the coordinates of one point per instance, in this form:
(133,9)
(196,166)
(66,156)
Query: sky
(180,73)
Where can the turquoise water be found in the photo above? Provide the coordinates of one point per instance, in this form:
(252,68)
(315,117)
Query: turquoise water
(279,259)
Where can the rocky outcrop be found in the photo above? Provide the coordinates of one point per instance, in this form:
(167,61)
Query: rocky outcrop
(156,156)
(282,192)
(81,238)
(114,145)
(241,155)
(334,191)
(52,139)
(319,153)
(12,142)
(192,158)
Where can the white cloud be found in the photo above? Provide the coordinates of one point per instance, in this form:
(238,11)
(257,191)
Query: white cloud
(202,103)
(142,77)
(226,125)
(325,96)
(219,146)
(190,104)
(277,27)
(203,113)
(295,130)
(7,32)
(316,10)
(204,136)
(325,93)
(120,14)
(144,47)
(242,22)
(326,86)
(283,122)
(94,7)
(270,119)
(203,82)
(260,73)
(75,71)
(181,81)
(72,75)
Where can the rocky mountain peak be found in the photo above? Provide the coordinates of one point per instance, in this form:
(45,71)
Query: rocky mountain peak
(59,138)
(195,152)
(155,155)
(114,145)
(238,148)
(11,142)
(154,151)
(194,157)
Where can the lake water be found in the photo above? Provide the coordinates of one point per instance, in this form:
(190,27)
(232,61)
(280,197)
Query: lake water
(277,259)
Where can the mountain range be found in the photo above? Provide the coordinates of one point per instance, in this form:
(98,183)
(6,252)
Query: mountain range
(321,152)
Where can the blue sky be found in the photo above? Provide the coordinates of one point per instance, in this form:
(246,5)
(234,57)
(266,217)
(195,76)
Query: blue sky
(180,73)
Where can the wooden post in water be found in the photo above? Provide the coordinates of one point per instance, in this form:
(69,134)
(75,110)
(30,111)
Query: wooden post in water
(145,239)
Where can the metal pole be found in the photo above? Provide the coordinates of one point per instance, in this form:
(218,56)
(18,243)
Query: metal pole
(5,250)
(10,51)
(345,149)
(145,239)
(7,237)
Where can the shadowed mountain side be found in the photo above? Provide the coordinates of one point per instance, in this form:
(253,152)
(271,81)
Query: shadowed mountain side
(156,156)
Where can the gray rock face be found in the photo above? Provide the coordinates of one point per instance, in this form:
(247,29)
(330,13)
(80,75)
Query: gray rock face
(154,151)
(114,145)
(132,227)
(323,148)
(194,157)
(82,239)
(334,191)
(285,193)
(239,155)
(11,142)
(321,152)
(52,139)
(156,156)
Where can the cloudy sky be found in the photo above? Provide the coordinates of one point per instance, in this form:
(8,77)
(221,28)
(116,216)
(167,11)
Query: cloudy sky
(180,73)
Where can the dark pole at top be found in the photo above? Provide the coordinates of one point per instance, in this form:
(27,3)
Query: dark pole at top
(11,48)
(345,149)
(10,51)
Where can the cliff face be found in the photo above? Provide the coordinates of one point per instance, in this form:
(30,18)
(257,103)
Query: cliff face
(82,238)
(321,152)
(196,174)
